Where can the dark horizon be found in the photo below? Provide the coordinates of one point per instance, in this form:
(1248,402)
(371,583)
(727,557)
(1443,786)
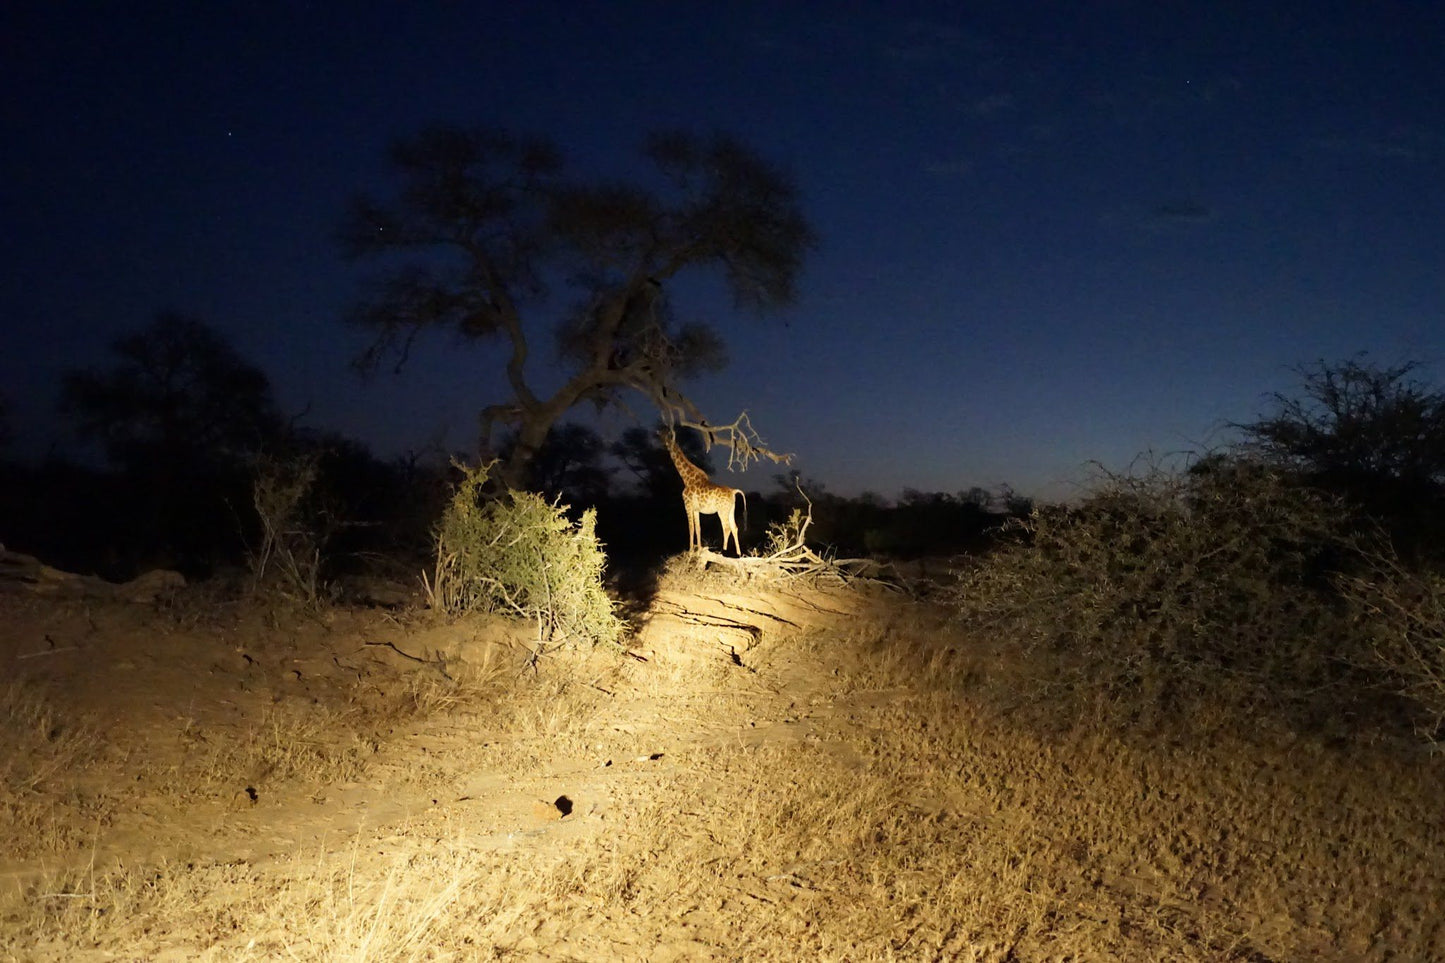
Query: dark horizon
(1049,236)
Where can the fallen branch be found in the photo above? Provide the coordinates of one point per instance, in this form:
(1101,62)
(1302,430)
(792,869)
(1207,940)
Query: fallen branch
(438,663)
(404,654)
(45,652)
(796,565)
(790,559)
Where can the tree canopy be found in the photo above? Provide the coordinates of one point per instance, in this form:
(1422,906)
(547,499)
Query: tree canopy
(1358,425)
(1372,434)
(180,414)
(486,236)
(178,393)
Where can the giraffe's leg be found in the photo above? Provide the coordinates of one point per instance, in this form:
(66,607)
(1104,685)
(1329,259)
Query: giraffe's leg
(729,527)
(733,518)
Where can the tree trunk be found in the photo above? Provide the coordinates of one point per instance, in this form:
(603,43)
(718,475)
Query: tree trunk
(532,431)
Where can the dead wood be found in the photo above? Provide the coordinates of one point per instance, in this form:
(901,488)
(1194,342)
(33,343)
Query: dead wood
(789,559)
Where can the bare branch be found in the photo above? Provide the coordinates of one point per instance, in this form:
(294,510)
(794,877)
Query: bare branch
(743,443)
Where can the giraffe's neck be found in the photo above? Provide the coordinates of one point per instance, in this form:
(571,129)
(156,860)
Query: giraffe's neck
(691,474)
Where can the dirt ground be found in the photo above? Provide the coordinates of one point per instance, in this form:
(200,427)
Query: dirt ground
(761,774)
(211,732)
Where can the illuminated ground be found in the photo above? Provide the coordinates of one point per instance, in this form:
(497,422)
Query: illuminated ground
(801,775)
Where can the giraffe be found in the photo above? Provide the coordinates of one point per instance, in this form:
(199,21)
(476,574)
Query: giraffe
(701,497)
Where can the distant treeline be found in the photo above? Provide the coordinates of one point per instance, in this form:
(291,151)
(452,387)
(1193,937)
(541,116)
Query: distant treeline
(196,513)
(192,444)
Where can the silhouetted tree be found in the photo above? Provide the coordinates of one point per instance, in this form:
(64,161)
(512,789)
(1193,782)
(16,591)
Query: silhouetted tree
(362,512)
(1375,435)
(1357,427)
(177,393)
(1358,422)
(179,412)
(789,482)
(976,495)
(568,465)
(493,224)
(642,454)
(1019,506)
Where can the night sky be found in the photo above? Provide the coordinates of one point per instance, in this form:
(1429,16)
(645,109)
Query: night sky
(1073,232)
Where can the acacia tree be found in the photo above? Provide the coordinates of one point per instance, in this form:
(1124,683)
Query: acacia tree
(1375,435)
(1360,428)
(491,240)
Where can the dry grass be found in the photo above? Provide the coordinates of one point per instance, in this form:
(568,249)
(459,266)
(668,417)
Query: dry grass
(39,741)
(301,907)
(42,748)
(687,573)
(1205,837)
(917,799)
(950,835)
(310,744)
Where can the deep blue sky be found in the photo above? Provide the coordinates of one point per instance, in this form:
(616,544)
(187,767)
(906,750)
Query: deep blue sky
(1050,232)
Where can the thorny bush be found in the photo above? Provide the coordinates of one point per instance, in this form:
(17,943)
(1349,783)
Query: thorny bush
(1169,585)
(294,529)
(521,555)
(1402,611)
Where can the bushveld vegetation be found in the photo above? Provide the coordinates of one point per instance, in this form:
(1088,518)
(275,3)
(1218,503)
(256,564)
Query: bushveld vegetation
(520,555)
(1191,717)
(1161,587)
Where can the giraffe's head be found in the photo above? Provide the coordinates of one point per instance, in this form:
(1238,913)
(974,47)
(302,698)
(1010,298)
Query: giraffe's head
(691,474)
(668,435)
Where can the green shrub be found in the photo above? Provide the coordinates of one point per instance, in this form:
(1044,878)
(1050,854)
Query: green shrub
(521,555)
(1170,584)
